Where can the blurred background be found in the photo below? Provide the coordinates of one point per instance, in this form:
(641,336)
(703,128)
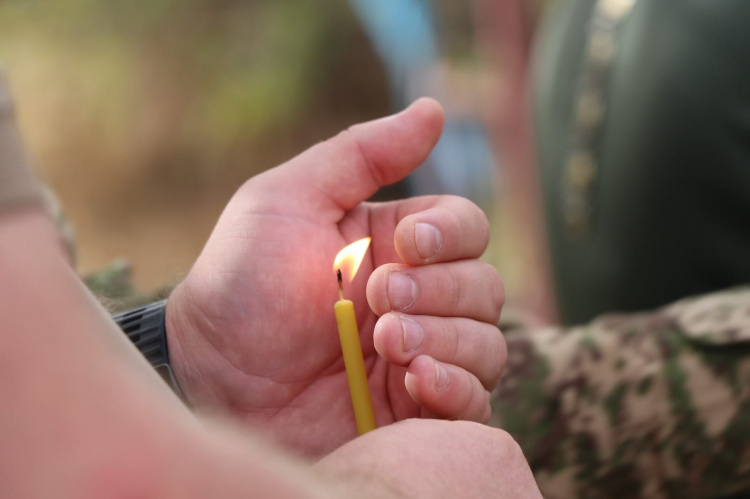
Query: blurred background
(145,117)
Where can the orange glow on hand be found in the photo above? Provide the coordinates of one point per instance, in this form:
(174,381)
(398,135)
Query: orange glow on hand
(350,258)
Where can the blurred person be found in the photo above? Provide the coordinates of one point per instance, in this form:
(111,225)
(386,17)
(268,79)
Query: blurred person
(406,36)
(505,33)
(641,132)
(249,333)
(642,138)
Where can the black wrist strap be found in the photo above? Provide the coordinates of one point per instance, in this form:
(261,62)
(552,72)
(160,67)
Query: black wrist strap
(145,327)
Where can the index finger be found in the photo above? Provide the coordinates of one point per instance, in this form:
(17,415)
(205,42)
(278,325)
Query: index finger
(435,229)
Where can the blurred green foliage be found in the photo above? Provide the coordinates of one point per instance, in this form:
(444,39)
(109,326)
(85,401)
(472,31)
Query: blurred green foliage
(145,116)
(234,67)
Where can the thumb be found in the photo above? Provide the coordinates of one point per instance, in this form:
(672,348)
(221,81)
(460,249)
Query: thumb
(334,176)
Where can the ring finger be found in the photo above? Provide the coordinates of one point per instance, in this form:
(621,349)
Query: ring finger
(466,288)
(475,346)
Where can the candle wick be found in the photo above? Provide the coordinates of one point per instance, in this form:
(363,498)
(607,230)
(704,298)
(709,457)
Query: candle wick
(341,286)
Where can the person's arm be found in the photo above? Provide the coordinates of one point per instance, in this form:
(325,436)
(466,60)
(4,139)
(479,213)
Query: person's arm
(648,403)
(83,415)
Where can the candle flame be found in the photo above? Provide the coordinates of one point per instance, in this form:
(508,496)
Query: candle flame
(350,258)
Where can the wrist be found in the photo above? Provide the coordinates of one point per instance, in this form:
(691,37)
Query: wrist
(180,335)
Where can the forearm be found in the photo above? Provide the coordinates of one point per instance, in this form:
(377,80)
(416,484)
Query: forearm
(83,414)
(83,400)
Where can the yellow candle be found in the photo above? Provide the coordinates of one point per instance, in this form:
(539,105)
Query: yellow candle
(355,366)
(350,259)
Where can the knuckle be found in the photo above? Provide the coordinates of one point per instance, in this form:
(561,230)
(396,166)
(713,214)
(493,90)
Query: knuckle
(497,290)
(502,357)
(494,356)
(484,235)
(349,139)
(476,405)
(386,337)
(453,292)
(487,409)
(507,446)
(452,339)
(487,352)
(346,136)
(477,220)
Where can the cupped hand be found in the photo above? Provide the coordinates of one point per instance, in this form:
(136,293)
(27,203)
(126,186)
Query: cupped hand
(251,330)
(435,459)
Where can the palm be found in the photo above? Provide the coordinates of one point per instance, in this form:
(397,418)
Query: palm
(271,307)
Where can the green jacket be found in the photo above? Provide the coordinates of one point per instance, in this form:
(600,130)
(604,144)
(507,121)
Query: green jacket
(658,110)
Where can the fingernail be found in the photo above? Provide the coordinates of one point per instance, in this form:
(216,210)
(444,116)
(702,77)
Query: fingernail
(413,334)
(402,290)
(442,378)
(427,239)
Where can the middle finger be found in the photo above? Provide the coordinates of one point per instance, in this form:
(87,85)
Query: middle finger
(466,288)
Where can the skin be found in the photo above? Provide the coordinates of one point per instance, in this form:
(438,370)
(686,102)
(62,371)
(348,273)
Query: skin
(462,466)
(251,330)
(85,416)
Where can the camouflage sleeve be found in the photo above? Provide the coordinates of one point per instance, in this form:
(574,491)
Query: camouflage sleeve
(114,288)
(113,284)
(647,405)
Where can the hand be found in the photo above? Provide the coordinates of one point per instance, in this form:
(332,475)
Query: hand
(437,459)
(252,329)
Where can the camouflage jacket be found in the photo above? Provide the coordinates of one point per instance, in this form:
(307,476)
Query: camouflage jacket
(643,405)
